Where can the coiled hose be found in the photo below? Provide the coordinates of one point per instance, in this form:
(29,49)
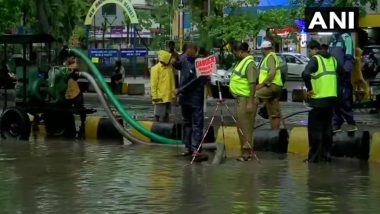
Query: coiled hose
(117,125)
(125,114)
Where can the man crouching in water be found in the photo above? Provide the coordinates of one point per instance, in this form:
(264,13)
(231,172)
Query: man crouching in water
(320,78)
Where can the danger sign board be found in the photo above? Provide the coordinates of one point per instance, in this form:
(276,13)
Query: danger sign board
(205,66)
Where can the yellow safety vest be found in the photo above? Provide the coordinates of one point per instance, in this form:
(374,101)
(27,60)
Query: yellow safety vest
(264,70)
(239,84)
(324,81)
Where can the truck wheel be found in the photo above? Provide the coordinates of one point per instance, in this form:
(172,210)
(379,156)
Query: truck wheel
(15,124)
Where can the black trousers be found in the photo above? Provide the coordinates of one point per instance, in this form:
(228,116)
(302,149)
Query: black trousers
(78,102)
(320,133)
(192,126)
(343,111)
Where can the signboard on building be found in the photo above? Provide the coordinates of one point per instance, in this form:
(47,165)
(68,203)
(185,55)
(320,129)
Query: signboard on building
(104,53)
(205,66)
(125,53)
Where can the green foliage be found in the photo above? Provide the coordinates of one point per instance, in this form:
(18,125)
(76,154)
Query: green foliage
(239,26)
(65,15)
(62,15)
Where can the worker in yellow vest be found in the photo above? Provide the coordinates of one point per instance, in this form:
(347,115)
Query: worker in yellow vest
(242,86)
(270,84)
(320,76)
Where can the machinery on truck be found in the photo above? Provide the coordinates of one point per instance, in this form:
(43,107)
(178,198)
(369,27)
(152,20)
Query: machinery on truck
(39,92)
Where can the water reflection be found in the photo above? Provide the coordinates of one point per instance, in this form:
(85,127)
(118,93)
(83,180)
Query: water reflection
(40,176)
(76,177)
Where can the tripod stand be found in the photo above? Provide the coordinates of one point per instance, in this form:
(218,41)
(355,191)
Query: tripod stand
(219,103)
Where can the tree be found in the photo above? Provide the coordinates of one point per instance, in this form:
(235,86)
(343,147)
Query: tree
(238,24)
(223,26)
(226,25)
(56,17)
(160,14)
(60,17)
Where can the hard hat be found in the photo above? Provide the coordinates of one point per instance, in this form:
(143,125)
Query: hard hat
(266,44)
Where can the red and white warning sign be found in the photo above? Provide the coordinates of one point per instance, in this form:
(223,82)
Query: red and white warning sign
(205,66)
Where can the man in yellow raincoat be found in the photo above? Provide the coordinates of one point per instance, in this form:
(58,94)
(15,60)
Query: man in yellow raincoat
(361,88)
(162,86)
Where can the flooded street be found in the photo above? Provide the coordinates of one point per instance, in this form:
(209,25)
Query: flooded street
(77,177)
(52,176)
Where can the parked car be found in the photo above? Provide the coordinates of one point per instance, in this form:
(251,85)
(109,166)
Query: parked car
(371,61)
(222,76)
(296,63)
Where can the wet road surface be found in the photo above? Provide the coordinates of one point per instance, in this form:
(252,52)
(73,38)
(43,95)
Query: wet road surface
(88,177)
(77,177)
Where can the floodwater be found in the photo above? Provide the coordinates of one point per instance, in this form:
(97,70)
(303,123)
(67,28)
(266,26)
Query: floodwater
(77,177)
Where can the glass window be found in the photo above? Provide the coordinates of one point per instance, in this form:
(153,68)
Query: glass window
(302,57)
(290,59)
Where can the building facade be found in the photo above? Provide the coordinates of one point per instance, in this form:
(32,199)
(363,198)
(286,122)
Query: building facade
(111,29)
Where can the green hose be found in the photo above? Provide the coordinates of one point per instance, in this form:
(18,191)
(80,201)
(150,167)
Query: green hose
(125,114)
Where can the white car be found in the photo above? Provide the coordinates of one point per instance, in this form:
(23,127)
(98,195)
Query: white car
(222,76)
(296,63)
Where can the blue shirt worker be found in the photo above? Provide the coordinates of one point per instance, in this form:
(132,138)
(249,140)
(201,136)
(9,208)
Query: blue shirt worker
(191,99)
(321,81)
(341,47)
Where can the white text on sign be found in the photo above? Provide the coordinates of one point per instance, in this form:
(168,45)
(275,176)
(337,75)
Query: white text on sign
(331,19)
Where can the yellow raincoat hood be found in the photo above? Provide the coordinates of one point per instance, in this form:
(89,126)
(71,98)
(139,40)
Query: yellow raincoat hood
(164,56)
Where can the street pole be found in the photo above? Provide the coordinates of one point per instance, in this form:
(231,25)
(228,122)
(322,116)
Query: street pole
(88,39)
(134,50)
(180,6)
(95,39)
(172,12)
(208,7)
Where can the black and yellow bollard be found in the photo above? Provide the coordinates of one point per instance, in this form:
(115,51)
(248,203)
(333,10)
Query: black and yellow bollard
(352,145)
(272,140)
(136,89)
(298,141)
(265,140)
(102,128)
(168,130)
(374,154)
(345,144)
(124,88)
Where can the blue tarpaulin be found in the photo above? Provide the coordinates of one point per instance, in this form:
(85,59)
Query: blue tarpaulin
(262,6)
(270,4)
